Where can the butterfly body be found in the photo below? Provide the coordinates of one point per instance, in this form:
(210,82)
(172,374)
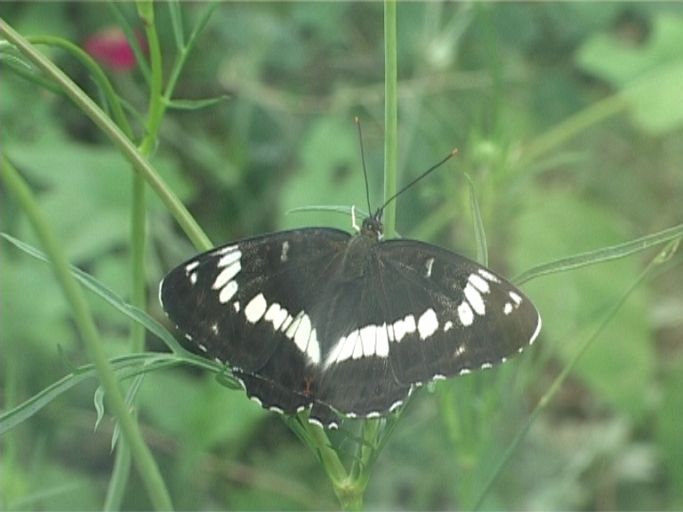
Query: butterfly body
(317,318)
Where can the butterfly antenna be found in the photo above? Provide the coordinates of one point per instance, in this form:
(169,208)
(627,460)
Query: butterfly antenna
(362,157)
(423,175)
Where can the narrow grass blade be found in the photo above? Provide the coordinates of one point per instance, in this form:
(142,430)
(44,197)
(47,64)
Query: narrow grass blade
(602,255)
(482,254)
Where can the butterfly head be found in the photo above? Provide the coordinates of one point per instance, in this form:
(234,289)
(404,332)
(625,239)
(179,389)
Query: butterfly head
(372,226)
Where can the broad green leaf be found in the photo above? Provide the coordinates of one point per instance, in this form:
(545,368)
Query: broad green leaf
(649,74)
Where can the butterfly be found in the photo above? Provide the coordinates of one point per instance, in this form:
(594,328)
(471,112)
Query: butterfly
(345,324)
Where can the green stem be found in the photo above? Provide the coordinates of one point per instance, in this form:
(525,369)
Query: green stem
(572,126)
(177,209)
(390,116)
(147,467)
(98,76)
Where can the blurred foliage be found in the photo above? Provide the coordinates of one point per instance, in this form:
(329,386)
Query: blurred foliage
(568,117)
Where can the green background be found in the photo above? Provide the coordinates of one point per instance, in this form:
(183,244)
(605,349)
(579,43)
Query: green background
(568,118)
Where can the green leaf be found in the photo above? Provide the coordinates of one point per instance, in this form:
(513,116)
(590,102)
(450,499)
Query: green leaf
(196,104)
(482,254)
(602,255)
(176,15)
(125,366)
(649,74)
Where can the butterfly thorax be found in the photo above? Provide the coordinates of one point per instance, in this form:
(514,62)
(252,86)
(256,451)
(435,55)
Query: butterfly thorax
(358,254)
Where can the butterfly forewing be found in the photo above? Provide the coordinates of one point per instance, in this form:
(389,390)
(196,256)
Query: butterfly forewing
(314,317)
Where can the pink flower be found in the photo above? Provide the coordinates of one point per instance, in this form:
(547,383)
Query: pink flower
(110,47)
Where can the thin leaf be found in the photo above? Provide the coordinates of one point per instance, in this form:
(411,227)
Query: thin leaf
(131,311)
(482,254)
(125,366)
(130,400)
(109,296)
(177,23)
(601,255)
(115,7)
(195,104)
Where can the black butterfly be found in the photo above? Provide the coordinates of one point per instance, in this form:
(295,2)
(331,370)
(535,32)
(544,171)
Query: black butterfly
(317,318)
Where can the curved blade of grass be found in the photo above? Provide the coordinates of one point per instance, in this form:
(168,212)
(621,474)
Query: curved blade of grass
(601,255)
(176,15)
(663,256)
(109,296)
(482,254)
(179,104)
(131,311)
(132,39)
(125,367)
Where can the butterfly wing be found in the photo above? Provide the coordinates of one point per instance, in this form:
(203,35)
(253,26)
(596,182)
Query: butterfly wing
(247,304)
(457,315)
(419,313)
(301,326)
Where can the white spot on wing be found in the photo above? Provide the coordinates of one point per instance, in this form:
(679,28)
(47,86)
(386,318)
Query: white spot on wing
(404,326)
(293,326)
(348,347)
(230,258)
(507,309)
(358,347)
(285,250)
(382,341)
(191,266)
(313,350)
(227,292)
(256,308)
(367,338)
(515,297)
(475,300)
(303,333)
(276,315)
(465,314)
(488,276)
(193,278)
(395,405)
(236,306)
(428,266)
(427,324)
(225,250)
(448,326)
(536,332)
(227,274)
(316,422)
(479,283)
(214,328)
